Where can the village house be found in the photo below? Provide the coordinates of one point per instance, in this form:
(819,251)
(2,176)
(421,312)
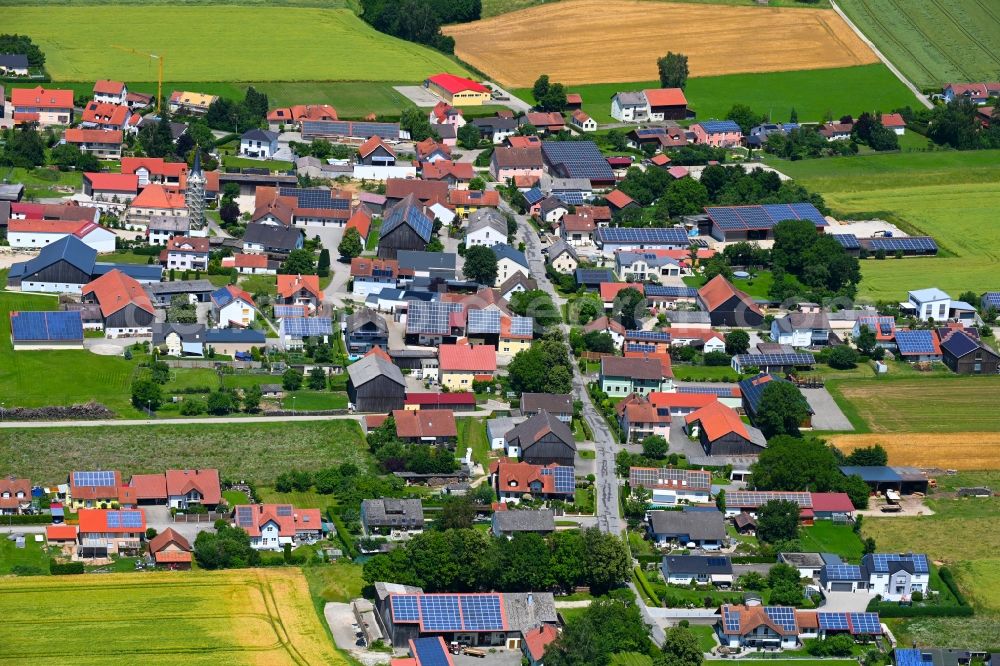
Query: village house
(929,304)
(190,102)
(670,486)
(271,526)
(446,114)
(508,523)
(546,122)
(375,152)
(300,290)
(964,353)
(398,517)
(892,576)
(15,495)
(372,275)
(99,115)
(179,340)
(106,531)
(272,240)
(514,480)
(580,120)
(103,144)
(717,133)
(721,431)
(38,105)
(294,116)
(727,305)
(465,202)
(706,529)
(110,92)
(542,440)
(622,376)
(232,306)
(426,426)
(233,341)
(699,570)
(155,200)
(33,234)
(250,264)
(365,329)
(405,226)
(460,365)
(558,405)
(977,93)
(126,310)
(486,227)
(171,550)
(643,266)
(259,144)
(184,253)
(115,188)
(156,170)
(801,329)
(496,129)
(577,229)
(509,262)
(562,257)
(458,91)
(640,419)
(508,163)
(15,64)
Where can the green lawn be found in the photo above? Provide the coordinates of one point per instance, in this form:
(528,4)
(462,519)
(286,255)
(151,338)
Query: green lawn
(472,432)
(235,497)
(308,499)
(125,257)
(235,162)
(185,378)
(948,195)
(933,42)
(43,182)
(704,373)
(373,232)
(63,377)
(812,93)
(706,636)
(756,286)
(826,537)
(260,284)
(212,43)
(335,582)
(34,556)
(257,451)
(306,401)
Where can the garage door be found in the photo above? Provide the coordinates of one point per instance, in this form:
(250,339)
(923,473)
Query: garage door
(841,587)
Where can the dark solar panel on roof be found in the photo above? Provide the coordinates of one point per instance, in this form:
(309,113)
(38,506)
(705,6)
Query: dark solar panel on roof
(430,652)
(521,326)
(676,236)
(654,290)
(483,321)
(783,616)
(404,608)
(301,327)
(578,159)
(98,479)
(570,197)
(915,342)
(654,336)
(430,317)
(848,241)
(772,360)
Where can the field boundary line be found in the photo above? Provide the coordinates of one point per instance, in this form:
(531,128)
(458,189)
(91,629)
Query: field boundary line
(888,63)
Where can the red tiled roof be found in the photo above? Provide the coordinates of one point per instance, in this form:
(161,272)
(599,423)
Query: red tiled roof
(188,244)
(290,284)
(518,158)
(574,98)
(538,638)
(444,168)
(603,323)
(172,557)
(489,198)
(518,476)
(834,502)
(526,181)
(618,199)
(60,532)
(893,120)
(578,222)
(155,166)
(469,358)
(114,290)
(117,182)
(240,294)
(660,160)
(205,481)
(717,420)
(524,142)
(46,226)
(250,261)
(364,266)
(104,113)
(546,119)
(610,290)
(752,617)
(165,538)
(79,135)
(157,196)
(425,423)
(40,98)
(635,367)
(718,290)
(95,521)
(443,399)
(302,112)
(456,84)
(429,146)
(369,146)
(95,492)
(506,332)
(442,110)
(298,519)
(665,97)
(373,421)
(149,486)
(663,357)
(678,171)
(106,87)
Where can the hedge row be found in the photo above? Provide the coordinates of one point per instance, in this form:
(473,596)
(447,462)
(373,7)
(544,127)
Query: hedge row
(34,519)
(65,569)
(949,580)
(895,610)
(345,536)
(640,580)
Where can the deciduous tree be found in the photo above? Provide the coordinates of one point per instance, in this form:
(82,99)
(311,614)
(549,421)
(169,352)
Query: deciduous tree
(673,69)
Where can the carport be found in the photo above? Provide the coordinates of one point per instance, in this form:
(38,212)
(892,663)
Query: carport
(906,480)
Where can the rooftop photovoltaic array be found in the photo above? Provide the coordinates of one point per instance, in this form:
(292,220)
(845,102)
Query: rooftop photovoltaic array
(882,560)
(915,342)
(411,216)
(430,652)
(842,572)
(564,480)
(640,347)
(315,197)
(430,317)
(533,196)
(244,516)
(387,131)
(522,326)
(761,218)
(578,159)
(593,275)
(719,126)
(771,360)
(124,518)
(991,299)
(303,327)
(483,321)
(643,235)
(783,616)
(651,336)
(284,510)
(731,619)
(102,479)
(848,241)
(758,498)
(706,390)
(655,290)
(570,197)
(921,244)
(910,657)
(449,612)
(864,624)
(289,311)
(49,326)
(668,477)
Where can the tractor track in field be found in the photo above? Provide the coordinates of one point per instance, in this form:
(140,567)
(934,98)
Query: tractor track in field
(927,38)
(961,27)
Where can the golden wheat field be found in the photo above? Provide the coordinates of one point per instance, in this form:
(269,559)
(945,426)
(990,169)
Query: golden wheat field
(952,450)
(608,41)
(259,616)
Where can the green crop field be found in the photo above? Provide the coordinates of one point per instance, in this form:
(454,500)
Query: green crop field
(256,451)
(948,195)
(812,92)
(63,377)
(933,42)
(259,616)
(220,43)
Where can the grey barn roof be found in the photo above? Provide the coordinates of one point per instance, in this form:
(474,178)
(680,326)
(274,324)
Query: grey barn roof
(526,610)
(392,511)
(549,402)
(487,217)
(542,520)
(371,367)
(365,316)
(697,525)
(537,427)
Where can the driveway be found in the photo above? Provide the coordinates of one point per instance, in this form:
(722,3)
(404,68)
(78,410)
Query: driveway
(515,104)
(158,517)
(845,602)
(419,95)
(827,413)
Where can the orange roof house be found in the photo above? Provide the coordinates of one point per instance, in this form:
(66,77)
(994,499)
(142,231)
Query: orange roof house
(512,479)
(41,98)
(295,288)
(57,534)
(103,114)
(158,197)
(360,220)
(107,87)
(727,305)
(610,290)
(115,290)
(477,359)
(537,639)
(76,135)
(619,200)
(117,522)
(660,97)
(722,431)
(426,425)
(171,549)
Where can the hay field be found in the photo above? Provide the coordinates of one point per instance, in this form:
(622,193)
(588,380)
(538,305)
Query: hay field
(955,450)
(247,617)
(219,43)
(591,41)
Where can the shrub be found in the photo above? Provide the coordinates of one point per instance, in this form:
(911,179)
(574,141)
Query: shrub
(65,568)
(717,358)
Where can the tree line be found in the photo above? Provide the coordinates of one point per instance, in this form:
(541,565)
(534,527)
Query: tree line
(420,20)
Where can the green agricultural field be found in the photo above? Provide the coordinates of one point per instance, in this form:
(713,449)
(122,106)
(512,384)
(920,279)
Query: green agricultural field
(812,93)
(948,195)
(63,377)
(933,42)
(263,616)
(212,43)
(256,451)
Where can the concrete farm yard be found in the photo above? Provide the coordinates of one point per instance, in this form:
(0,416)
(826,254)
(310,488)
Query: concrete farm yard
(211,43)
(251,617)
(714,37)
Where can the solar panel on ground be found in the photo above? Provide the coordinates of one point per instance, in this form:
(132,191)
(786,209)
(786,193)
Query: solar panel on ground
(430,652)
(783,616)
(915,342)
(302,327)
(644,235)
(848,241)
(99,479)
(920,244)
(404,608)
(440,612)
(483,321)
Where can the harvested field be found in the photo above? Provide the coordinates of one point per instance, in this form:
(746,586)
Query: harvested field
(954,450)
(584,41)
(259,616)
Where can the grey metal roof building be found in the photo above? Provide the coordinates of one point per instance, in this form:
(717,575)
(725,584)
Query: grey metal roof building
(697,564)
(375,385)
(541,521)
(693,525)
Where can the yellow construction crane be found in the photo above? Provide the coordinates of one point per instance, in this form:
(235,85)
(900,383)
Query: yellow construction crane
(159,59)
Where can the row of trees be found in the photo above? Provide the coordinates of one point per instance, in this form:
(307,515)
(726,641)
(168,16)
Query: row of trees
(420,20)
(467,560)
(956,125)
